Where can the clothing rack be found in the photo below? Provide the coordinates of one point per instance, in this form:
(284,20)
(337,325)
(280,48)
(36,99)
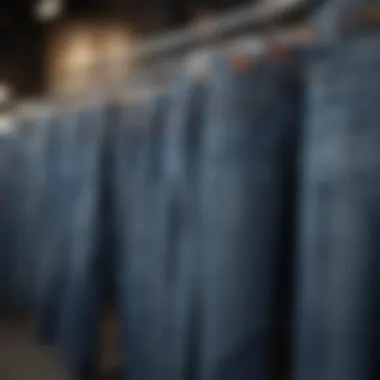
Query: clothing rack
(266,12)
(257,20)
(252,18)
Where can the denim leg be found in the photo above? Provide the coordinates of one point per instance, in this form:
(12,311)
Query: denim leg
(14,202)
(18,201)
(338,288)
(7,228)
(139,257)
(126,150)
(82,296)
(56,219)
(247,163)
(180,318)
(34,229)
(30,140)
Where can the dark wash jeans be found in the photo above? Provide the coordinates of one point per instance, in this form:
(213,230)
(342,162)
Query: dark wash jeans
(338,302)
(160,146)
(80,311)
(247,181)
(179,328)
(7,220)
(28,180)
(138,186)
(127,156)
(56,220)
(341,19)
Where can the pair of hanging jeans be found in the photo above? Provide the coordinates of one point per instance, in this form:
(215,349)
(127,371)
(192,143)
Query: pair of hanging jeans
(56,219)
(34,232)
(338,300)
(180,308)
(161,309)
(14,206)
(139,178)
(82,294)
(31,137)
(7,219)
(247,185)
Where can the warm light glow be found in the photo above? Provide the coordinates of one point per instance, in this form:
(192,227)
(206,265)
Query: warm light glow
(116,43)
(47,10)
(80,53)
(87,55)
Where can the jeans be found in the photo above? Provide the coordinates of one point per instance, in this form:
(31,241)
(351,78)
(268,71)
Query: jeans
(338,300)
(339,19)
(29,185)
(56,220)
(81,298)
(179,278)
(7,212)
(247,182)
(140,212)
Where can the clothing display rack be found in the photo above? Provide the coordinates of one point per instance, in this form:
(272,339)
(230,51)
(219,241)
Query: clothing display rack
(229,220)
(261,20)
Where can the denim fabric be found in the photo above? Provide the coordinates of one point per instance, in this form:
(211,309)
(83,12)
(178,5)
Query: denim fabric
(21,180)
(31,138)
(338,305)
(180,319)
(56,218)
(107,206)
(14,213)
(81,299)
(7,220)
(337,19)
(139,259)
(247,174)
(34,228)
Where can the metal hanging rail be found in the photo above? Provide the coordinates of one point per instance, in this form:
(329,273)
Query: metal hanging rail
(255,17)
(252,18)
(249,16)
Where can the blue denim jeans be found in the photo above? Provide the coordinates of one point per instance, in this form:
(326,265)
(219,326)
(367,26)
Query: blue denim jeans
(138,177)
(7,221)
(342,19)
(56,218)
(29,185)
(80,310)
(338,300)
(247,179)
(179,337)
(126,165)
(21,181)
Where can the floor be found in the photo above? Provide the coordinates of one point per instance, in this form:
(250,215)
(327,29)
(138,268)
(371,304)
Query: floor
(22,359)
